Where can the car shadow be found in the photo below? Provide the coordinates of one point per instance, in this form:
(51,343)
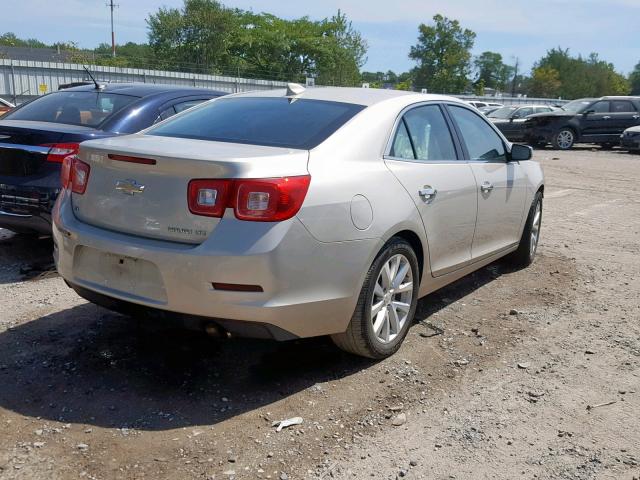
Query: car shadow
(24,257)
(91,366)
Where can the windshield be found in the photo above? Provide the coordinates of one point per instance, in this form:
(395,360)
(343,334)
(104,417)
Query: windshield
(89,109)
(504,112)
(271,121)
(576,106)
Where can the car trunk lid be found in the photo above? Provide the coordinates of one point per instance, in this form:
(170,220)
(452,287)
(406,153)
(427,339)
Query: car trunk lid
(22,144)
(138,184)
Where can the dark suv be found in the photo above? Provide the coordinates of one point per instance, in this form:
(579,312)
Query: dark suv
(588,120)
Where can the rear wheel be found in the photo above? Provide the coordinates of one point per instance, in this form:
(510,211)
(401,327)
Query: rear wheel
(386,305)
(528,246)
(607,146)
(564,139)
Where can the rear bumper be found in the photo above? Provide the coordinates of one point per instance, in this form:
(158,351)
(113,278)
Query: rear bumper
(310,288)
(26,202)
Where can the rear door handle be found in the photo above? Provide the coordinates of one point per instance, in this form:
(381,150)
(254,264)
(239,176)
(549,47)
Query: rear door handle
(486,186)
(606,117)
(428,193)
(636,117)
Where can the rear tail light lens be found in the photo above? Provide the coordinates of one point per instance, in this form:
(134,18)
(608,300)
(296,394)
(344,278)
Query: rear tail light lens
(59,151)
(270,200)
(79,176)
(209,197)
(262,200)
(74,174)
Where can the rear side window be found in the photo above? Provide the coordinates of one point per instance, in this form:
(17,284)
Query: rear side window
(72,108)
(482,142)
(270,121)
(622,106)
(430,134)
(402,147)
(188,104)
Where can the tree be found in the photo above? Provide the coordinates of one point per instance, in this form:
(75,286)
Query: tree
(492,71)
(634,80)
(581,77)
(9,39)
(443,56)
(545,82)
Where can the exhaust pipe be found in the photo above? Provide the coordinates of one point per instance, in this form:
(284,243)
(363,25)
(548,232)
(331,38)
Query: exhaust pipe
(215,331)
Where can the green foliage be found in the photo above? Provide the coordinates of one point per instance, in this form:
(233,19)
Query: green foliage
(204,34)
(9,39)
(443,54)
(492,72)
(545,82)
(579,77)
(479,87)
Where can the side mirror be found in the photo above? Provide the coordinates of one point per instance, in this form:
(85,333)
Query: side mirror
(520,153)
(587,112)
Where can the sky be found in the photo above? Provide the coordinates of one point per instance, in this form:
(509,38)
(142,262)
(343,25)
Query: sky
(523,29)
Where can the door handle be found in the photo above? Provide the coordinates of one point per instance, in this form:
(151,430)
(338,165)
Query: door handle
(606,117)
(428,193)
(486,186)
(636,117)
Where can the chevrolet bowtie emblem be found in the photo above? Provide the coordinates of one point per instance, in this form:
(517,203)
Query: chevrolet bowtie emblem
(130,187)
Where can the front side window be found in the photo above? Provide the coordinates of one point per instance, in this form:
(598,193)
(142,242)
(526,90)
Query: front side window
(72,108)
(430,134)
(543,110)
(523,112)
(503,113)
(599,107)
(270,121)
(482,142)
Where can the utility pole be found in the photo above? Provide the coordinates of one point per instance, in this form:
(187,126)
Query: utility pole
(515,78)
(112,5)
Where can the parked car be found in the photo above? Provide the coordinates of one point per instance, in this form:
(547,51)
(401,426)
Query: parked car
(630,139)
(480,105)
(5,106)
(295,214)
(36,136)
(588,120)
(488,110)
(511,120)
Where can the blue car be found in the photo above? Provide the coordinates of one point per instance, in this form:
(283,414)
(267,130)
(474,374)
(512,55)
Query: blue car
(38,135)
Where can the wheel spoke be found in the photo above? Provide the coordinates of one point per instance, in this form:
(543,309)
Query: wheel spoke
(404,307)
(376,308)
(394,321)
(405,287)
(381,319)
(378,290)
(386,276)
(401,274)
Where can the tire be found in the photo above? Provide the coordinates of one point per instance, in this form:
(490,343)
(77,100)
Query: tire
(607,146)
(526,252)
(360,337)
(564,139)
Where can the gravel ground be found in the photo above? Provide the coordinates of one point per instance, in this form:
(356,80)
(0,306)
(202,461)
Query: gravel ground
(508,374)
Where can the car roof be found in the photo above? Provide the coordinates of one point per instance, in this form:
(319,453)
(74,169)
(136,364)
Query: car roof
(355,95)
(144,89)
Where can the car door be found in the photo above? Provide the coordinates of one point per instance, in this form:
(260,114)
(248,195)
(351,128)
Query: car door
(623,115)
(502,186)
(428,163)
(595,121)
(515,128)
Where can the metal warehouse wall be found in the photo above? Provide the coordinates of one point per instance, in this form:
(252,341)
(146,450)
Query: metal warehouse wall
(21,80)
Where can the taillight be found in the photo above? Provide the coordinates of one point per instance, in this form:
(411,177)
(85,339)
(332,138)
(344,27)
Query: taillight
(59,151)
(271,199)
(65,172)
(79,176)
(74,174)
(262,200)
(209,197)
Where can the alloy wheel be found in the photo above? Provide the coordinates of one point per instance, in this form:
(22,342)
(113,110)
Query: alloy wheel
(565,139)
(535,229)
(392,298)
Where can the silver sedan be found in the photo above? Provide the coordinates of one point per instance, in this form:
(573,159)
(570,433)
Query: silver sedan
(297,213)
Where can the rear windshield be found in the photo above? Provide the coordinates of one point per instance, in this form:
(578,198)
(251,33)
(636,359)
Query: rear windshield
(271,121)
(72,108)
